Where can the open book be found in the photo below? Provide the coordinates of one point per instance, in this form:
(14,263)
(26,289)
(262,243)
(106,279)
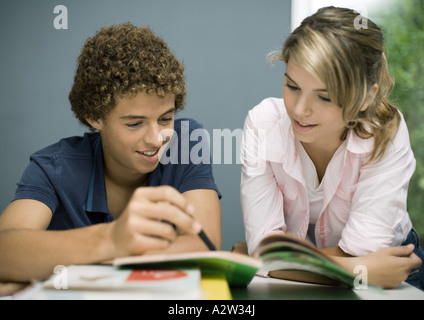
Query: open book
(288,257)
(239,269)
(280,255)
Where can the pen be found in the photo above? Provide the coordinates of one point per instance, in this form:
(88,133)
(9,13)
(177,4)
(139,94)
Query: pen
(206,240)
(202,235)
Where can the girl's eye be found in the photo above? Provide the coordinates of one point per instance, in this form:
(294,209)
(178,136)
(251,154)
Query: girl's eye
(293,88)
(325,99)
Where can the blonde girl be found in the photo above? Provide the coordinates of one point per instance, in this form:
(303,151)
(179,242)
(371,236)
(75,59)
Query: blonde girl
(331,161)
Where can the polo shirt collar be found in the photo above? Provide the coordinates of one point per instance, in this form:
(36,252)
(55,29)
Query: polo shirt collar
(155,176)
(96,200)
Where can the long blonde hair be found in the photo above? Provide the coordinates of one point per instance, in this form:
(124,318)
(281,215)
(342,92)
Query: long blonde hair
(349,60)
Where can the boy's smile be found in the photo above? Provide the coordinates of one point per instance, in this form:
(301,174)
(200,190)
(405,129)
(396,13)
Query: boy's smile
(135,133)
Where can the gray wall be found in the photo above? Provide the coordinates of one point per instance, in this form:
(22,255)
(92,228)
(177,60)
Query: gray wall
(222,43)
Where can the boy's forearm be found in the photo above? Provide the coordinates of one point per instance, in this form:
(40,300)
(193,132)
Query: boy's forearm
(33,254)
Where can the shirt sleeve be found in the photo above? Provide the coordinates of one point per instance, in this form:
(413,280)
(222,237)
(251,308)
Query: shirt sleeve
(198,177)
(261,199)
(36,182)
(197,173)
(379,216)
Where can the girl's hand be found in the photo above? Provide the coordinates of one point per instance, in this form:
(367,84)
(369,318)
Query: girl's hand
(386,267)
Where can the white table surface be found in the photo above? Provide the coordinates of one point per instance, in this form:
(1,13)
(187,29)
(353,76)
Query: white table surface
(260,288)
(269,288)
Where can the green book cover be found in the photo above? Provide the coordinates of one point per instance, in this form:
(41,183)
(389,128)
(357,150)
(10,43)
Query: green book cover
(277,255)
(288,257)
(238,269)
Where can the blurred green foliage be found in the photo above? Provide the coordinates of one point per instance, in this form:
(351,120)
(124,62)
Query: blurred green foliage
(403,28)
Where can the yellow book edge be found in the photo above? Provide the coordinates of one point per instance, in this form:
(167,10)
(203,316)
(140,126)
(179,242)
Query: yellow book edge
(215,287)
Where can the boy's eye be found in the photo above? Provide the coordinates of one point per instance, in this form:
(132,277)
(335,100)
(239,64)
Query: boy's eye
(134,125)
(165,120)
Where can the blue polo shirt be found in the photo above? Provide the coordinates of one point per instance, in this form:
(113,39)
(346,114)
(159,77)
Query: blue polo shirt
(68,176)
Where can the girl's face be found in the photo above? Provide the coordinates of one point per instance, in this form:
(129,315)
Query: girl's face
(135,133)
(315,119)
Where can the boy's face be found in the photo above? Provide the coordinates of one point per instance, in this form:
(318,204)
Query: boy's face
(135,133)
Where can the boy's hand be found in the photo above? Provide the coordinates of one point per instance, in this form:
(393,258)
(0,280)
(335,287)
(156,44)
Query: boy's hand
(147,222)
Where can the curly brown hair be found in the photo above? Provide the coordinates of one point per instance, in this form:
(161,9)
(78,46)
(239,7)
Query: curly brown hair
(120,61)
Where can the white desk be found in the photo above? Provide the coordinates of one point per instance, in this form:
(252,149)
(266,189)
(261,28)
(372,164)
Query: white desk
(275,289)
(270,289)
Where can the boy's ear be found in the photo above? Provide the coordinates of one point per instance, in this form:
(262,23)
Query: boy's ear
(96,124)
(371,96)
